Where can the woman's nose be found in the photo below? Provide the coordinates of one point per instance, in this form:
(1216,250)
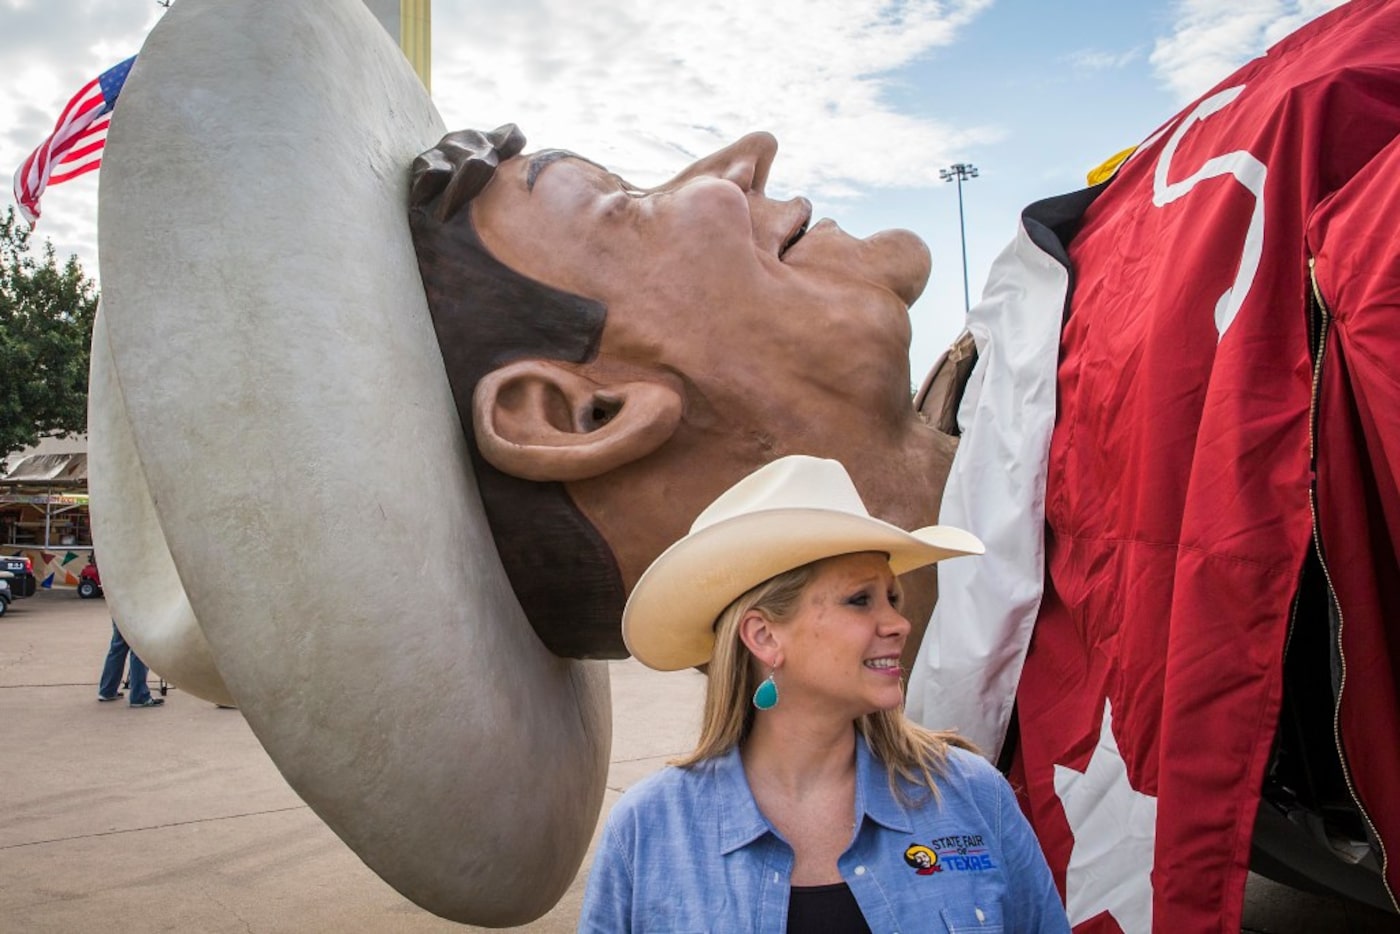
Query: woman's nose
(894,623)
(745,162)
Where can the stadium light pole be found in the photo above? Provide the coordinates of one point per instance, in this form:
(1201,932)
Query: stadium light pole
(961,172)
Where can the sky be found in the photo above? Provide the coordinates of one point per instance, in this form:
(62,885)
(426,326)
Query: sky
(868,98)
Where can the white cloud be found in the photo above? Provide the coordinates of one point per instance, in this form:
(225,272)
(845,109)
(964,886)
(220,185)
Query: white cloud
(1210,39)
(1098,60)
(646,87)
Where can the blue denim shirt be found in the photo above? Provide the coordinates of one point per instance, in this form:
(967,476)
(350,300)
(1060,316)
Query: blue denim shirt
(688,850)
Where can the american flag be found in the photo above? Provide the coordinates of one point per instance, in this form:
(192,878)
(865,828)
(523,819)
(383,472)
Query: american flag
(75,146)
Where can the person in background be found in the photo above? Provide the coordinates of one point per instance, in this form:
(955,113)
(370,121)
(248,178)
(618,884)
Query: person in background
(107,688)
(810,803)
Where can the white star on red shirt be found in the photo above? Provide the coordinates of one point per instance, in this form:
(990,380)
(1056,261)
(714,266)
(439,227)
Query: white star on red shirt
(1114,828)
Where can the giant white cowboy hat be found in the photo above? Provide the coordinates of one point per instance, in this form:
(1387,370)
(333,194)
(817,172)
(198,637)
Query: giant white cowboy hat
(787,513)
(274,439)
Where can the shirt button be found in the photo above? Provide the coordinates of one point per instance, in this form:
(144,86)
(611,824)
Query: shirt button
(981,916)
(860,870)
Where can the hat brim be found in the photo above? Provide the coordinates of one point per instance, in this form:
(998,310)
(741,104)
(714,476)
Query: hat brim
(668,623)
(268,331)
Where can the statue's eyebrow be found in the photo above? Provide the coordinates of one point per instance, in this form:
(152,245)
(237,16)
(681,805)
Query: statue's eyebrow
(547,157)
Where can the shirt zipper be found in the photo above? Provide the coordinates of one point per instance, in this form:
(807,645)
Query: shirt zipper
(1324,321)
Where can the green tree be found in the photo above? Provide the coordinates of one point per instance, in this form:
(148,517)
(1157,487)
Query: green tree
(46,315)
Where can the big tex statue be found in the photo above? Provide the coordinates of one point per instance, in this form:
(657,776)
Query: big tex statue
(495,384)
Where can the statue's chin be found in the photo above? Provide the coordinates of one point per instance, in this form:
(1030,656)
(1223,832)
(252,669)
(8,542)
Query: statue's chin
(269,392)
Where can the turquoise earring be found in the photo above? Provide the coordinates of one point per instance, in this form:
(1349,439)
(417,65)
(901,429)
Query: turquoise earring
(766,696)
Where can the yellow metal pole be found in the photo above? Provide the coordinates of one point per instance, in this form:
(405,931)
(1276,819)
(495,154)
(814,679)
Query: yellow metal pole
(416,37)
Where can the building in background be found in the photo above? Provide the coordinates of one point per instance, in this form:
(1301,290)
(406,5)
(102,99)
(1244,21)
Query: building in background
(44,509)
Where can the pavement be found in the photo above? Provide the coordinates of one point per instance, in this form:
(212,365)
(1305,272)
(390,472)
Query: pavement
(174,819)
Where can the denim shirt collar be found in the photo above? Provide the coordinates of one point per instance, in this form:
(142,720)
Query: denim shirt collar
(741,822)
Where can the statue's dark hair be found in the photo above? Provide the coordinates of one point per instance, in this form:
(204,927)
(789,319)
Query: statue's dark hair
(487,315)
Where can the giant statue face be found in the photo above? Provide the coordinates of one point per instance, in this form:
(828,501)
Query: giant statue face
(714,329)
(337,388)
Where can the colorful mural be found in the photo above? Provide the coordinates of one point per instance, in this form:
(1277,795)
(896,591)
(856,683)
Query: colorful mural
(54,567)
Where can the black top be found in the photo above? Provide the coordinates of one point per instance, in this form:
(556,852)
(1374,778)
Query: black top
(825,909)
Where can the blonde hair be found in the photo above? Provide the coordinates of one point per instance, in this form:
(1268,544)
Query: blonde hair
(907,750)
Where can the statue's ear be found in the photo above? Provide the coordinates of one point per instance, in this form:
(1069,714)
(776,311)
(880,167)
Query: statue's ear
(541,420)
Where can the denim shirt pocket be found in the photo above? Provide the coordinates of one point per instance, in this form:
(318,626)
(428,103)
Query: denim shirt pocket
(984,919)
(687,904)
(671,918)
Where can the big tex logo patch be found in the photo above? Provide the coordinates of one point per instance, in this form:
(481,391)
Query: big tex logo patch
(953,853)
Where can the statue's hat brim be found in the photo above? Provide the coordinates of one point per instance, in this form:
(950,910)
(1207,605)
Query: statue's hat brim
(267,331)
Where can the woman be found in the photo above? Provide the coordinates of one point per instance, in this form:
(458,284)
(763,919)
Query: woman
(810,802)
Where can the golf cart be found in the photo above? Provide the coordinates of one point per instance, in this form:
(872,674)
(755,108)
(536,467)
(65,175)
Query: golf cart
(90,580)
(16,579)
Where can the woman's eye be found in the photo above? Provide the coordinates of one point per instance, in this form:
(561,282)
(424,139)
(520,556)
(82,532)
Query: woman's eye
(860,599)
(896,598)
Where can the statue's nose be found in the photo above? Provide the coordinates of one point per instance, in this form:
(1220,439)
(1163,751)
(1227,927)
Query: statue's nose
(745,162)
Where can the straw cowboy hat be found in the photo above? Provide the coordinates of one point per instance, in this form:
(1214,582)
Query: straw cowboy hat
(788,513)
(270,407)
